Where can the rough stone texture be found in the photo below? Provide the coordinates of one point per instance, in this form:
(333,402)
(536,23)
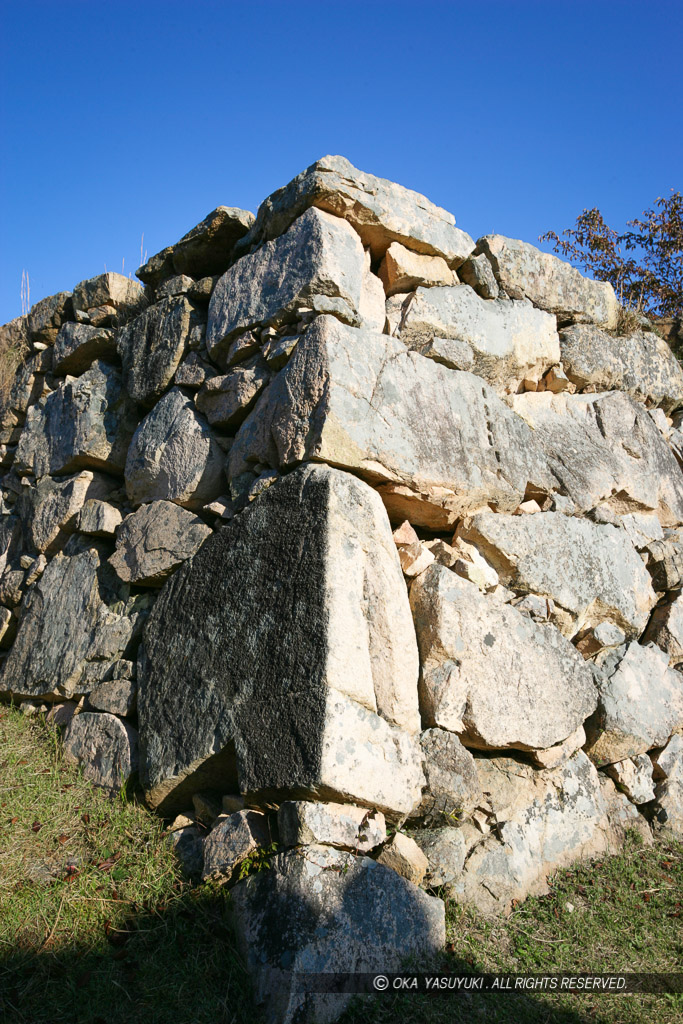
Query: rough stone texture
(667,763)
(668,807)
(205,250)
(28,385)
(665,629)
(544,689)
(152,542)
(104,745)
(381,211)
(507,341)
(640,704)
(634,777)
(545,820)
(174,456)
(86,424)
(319,263)
(188,846)
(50,510)
(78,346)
(452,788)
(75,617)
(478,274)
(605,450)
(231,842)
(98,518)
(402,270)
(445,850)
(152,345)
(592,572)
(47,316)
(361,401)
(115,290)
(311,569)
(304,822)
(641,364)
(665,562)
(403,855)
(553,757)
(226,400)
(117,696)
(320,910)
(525,272)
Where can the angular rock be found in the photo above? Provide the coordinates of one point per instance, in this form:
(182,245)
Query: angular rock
(507,341)
(105,747)
(319,263)
(641,364)
(50,510)
(86,424)
(115,290)
(174,456)
(78,346)
(634,777)
(545,820)
(371,307)
(188,846)
(592,572)
(152,542)
(665,562)
(75,617)
(553,757)
(117,696)
(642,529)
(414,559)
(667,763)
(544,689)
(320,910)
(439,443)
(668,807)
(622,815)
(311,570)
(381,211)
(14,335)
(305,823)
(478,274)
(98,518)
(178,285)
(28,384)
(47,316)
(152,345)
(525,272)
(605,450)
(403,855)
(205,250)
(452,789)
(640,704)
(445,850)
(225,401)
(231,842)
(402,270)
(277,352)
(665,629)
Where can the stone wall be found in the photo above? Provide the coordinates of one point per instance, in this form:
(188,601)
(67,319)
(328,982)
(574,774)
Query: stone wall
(341,521)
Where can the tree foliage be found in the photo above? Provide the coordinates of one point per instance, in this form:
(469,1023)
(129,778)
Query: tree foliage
(644,264)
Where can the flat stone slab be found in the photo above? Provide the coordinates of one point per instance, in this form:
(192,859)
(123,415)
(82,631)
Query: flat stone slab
(291,630)
(77,346)
(361,401)
(105,746)
(231,842)
(115,290)
(524,272)
(544,690)
(307,822)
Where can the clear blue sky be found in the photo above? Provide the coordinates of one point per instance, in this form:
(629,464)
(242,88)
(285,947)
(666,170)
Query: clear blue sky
(120,118)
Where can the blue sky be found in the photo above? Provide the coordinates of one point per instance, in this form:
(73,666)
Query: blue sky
(119,119)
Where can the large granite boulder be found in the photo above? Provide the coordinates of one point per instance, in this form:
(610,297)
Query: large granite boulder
(640,704)
(641,364)
(591,571)
(321,911)
(604,449)
(105,746)
(205,250)
(78,346)
(77,621)
(49,510)
(439,442)
(152,345)
(113,291)
(318,263)
(47,316)
(86,424)
(504,342)
(542,821)
(173,456)
(543,688)
(381,211)
(286,641)
(524,272)
(152,542)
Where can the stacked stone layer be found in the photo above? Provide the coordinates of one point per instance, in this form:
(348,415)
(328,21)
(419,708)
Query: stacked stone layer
(345,514)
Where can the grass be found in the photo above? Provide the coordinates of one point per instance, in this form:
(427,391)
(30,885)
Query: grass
(97,925)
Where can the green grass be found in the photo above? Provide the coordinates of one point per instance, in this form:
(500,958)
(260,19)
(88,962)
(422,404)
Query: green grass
(119,936)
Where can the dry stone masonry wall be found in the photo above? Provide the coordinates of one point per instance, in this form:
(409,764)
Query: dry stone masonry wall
(358,542)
